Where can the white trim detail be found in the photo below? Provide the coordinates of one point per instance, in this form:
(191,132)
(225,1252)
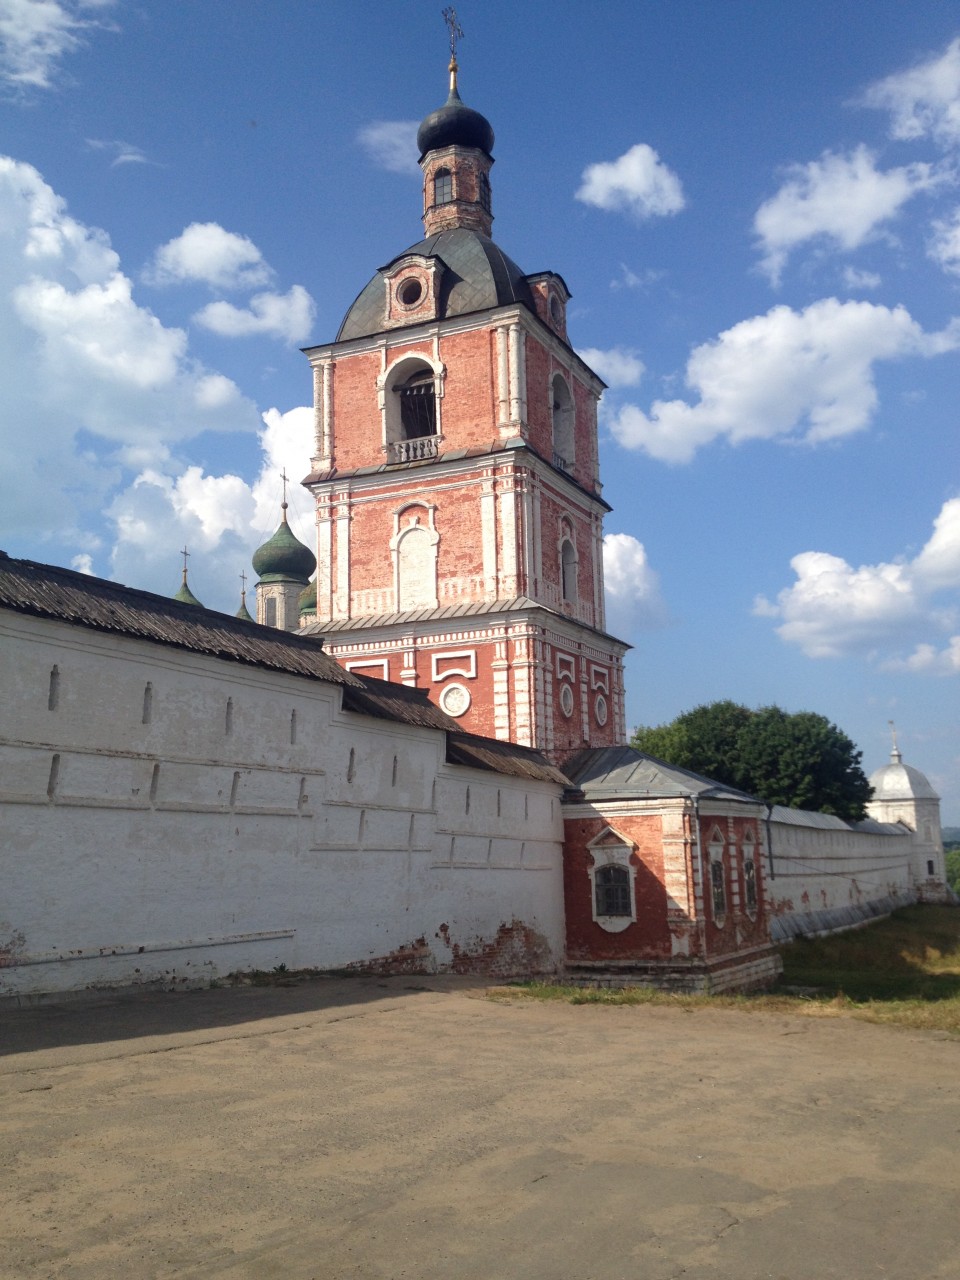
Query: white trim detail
(382,665)
(604,853)
(469,672)
(566,667)
(455,700)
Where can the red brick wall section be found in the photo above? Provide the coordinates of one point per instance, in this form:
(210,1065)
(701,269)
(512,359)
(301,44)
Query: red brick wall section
(357,437)
(739,929)
(470,405)
(648,938)
(517,950)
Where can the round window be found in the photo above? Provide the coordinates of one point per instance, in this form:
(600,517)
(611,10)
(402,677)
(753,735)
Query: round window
(566,700)
(600,709)
(455,700)
(556,310)
(410,292)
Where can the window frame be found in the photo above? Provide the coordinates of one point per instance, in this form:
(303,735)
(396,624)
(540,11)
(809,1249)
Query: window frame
(609,849)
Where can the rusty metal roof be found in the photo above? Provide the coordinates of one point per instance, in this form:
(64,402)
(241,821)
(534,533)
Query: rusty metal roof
(390,701)
(501,757)
(62,595)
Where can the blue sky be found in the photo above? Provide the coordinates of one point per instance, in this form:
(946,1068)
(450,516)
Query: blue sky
(756,207)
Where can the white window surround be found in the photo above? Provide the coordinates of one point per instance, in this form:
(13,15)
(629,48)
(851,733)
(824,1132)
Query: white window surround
(394,375)
(599,678)
(364,665)
(715,850)
(604,853)
(566,667)
(468,670)
(750,855)
(424,590)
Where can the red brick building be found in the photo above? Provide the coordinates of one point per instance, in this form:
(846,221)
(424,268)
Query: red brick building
(460,551)
(455,472)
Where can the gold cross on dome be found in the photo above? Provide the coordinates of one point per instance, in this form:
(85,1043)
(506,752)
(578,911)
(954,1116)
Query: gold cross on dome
(456,31)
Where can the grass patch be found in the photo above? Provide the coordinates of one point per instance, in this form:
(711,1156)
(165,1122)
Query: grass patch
(903,971)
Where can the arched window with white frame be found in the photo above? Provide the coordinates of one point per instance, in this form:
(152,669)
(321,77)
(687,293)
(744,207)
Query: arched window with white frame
(718,882)
(410,394)
(612,881)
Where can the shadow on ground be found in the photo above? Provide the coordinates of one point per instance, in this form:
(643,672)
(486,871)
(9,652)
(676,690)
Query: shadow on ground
(99,1017)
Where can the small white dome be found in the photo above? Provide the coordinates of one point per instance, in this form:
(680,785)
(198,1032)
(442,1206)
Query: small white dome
(899,781)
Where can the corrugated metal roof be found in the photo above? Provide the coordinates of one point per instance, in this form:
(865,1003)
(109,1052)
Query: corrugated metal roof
(47,591)
(622,772)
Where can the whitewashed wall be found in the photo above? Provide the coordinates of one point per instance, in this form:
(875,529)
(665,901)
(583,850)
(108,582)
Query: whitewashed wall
(825,875)
(249,822)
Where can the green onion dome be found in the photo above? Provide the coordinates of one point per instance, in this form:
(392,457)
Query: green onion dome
(185,595)
(308,599)
(284,556)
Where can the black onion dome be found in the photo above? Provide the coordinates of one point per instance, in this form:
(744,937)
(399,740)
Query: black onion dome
(454,125)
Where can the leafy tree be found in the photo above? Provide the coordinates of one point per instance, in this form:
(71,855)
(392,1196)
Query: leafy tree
(953,867)
(798,759)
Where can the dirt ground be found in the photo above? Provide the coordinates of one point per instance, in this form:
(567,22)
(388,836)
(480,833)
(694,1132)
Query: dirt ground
(412,1128)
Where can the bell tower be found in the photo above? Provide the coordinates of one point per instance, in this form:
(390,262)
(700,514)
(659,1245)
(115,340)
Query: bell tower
(455,473)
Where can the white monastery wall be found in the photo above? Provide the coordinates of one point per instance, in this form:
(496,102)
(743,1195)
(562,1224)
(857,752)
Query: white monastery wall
(824,875)
(168,817)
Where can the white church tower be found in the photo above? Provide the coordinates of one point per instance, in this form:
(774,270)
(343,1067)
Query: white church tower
(903,794)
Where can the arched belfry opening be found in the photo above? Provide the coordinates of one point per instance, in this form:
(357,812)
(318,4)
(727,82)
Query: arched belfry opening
(418,405)
(563,420)
(410,410)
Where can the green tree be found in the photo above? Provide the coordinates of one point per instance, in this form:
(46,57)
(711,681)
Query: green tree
(798,759)
(953,867)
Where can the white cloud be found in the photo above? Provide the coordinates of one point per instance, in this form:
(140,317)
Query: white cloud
(926,659)
(83,563)
(288,316)
(221,518)
(123,152)
(842,198)
(391,144)
(205,252)
(798,375)
(84,361)
(633,597)
(834,609)
(36,34)
(944,247)
(855,279)
(103,330)
(629,279)
(924,101)
(638,183)
(617,367)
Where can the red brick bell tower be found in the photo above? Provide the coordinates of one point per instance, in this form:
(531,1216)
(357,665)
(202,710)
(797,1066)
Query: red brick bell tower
(459,516)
